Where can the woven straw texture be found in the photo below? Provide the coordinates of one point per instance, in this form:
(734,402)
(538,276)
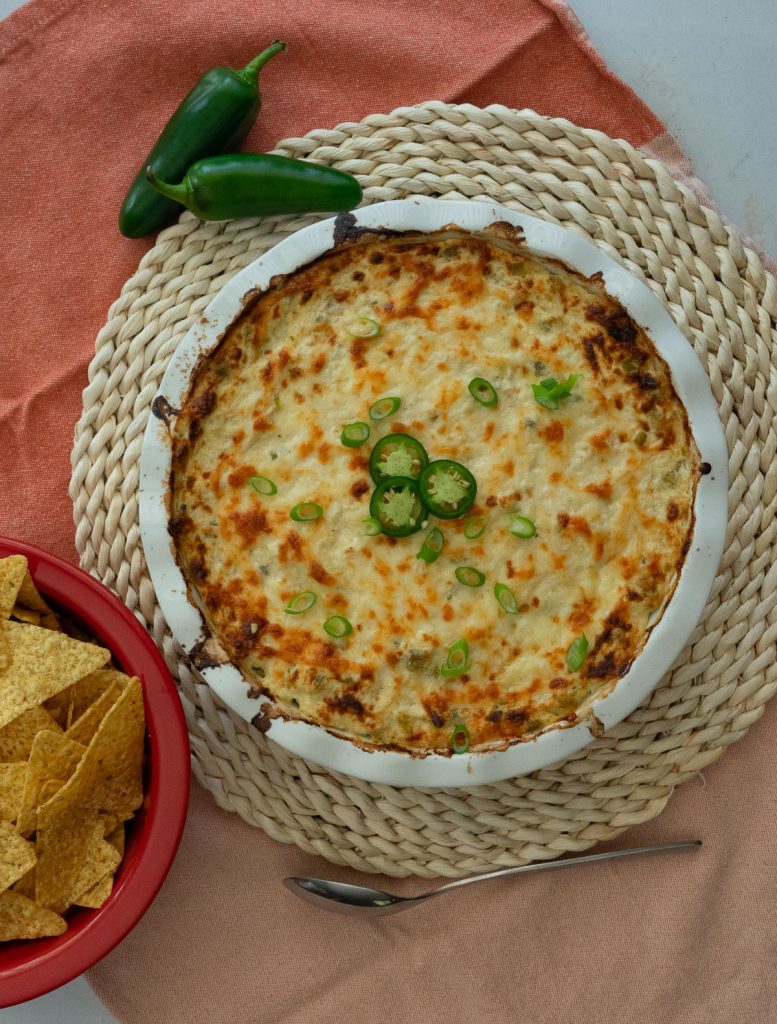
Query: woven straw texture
(724,302)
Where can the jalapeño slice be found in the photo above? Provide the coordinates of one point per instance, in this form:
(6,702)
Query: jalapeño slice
(397,455)
(448,489)
(397,506)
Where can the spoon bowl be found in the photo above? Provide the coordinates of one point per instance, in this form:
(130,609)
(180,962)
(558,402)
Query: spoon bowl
(343,898)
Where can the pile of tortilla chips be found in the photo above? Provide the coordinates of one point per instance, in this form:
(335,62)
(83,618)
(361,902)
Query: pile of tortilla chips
(71,763)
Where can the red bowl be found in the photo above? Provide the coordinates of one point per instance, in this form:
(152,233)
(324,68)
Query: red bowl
(33,967)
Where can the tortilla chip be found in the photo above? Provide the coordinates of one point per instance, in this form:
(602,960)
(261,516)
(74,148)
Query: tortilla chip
(84,693)
(53,759)
(25,615)
(72,790)
(20,918)
(83,729)
(28,597)
(11,786)
(111,822)
(42,664)
(48,789)
(12,572)
(61,710)
(109,777)
(101,861)
(63,846)
(35,618)
(97,895)
(17,737)
(116,838)
(17,856)
(26,885)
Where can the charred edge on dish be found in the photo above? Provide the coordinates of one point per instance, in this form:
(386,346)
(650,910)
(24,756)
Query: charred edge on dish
(263,719)
(163,410)
(505,230)
(249,299)
(207,654)
(347,230)
(273,711)
(595,725)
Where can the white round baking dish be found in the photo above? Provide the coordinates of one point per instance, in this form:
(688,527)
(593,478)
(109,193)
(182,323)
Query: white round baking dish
(667,637)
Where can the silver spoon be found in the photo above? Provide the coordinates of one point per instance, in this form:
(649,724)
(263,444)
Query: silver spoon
(360,900)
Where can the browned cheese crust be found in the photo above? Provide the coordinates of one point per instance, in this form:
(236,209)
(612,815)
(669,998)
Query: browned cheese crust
(608,478)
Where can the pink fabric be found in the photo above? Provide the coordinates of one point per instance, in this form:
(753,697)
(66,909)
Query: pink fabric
(685,938)
(84,88)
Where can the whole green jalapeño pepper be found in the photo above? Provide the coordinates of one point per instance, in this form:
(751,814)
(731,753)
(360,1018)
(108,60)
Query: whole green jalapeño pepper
(257,184)
(214,118)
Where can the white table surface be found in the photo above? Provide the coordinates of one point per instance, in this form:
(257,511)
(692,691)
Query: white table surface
(706,68)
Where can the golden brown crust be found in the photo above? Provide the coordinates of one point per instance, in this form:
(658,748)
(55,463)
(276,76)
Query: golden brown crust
(609,478)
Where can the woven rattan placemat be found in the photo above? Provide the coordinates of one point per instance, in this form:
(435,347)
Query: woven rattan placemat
(724,302)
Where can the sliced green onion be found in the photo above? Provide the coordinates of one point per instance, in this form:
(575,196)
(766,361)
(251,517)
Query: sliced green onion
(460,739)
(508,602)
(458,661)
(639,438)
(306,512)
(577,652)
(355,434)
(384,407)
(564,388)
(432,546)
(483,392)
(629,366)
(550,392)
(470,577)
(338,626)
(522,526)
(263,485)
(475,526)
(364,327)
(300,603)
(371,526)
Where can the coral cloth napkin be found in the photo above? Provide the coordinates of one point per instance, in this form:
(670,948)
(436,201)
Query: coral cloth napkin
(85,86)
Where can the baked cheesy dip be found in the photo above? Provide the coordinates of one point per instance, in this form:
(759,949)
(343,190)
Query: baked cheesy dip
(431,492)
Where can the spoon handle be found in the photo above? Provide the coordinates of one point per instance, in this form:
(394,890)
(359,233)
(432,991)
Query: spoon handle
(554,865)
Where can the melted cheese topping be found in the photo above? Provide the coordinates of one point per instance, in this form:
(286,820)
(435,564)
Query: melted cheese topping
(609,480)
